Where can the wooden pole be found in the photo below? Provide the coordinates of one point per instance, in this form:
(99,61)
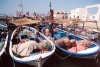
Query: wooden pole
(51,14)
(83,25)
(22,7)
(96,25)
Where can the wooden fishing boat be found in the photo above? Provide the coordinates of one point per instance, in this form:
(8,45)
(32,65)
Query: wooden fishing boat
(36,55)
(3,38)
(96,31)
(85,33)
(76,50)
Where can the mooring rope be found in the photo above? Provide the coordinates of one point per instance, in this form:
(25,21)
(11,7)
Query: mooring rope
(62,57)
(97,56)
(13,62)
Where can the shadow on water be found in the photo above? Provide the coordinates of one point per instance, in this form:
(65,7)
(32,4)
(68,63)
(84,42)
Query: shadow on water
(53,61)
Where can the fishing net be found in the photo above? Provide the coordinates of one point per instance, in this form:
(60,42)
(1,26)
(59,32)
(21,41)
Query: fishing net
(85,43)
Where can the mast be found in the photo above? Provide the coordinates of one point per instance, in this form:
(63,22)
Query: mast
(22,7)
(51,14)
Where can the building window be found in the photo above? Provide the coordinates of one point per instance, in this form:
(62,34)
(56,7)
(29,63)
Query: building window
(58,12)
(77,16)
(93,16)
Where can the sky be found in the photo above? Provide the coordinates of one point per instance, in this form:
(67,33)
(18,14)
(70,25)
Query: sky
(10,7)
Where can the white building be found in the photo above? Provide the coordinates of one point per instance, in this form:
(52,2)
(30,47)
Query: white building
(82,13)
(77,13)
(61,14)
(89,16)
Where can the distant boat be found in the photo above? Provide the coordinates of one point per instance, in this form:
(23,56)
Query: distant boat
(3,17)
(89,52)
(89,33)
(27,36)
(85,33)
(3,38)
(98,31)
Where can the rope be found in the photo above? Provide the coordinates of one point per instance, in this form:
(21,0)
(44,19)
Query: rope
(97,60)
(64,57)
(13,62)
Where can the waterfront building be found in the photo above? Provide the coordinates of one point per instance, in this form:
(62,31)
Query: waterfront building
(84,14)
(77,13)
(89,16)
(60,14)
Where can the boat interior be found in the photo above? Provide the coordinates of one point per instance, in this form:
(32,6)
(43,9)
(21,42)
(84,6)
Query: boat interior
(24,35)
(3,34)
(75,45)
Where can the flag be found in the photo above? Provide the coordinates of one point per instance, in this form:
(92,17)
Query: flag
(20,5)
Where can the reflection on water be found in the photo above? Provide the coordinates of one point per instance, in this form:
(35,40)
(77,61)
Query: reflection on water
(69,62)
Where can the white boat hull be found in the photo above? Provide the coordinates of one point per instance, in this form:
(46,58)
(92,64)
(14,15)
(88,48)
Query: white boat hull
(37,63)
(35,59)
(88,53)
(4,47)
